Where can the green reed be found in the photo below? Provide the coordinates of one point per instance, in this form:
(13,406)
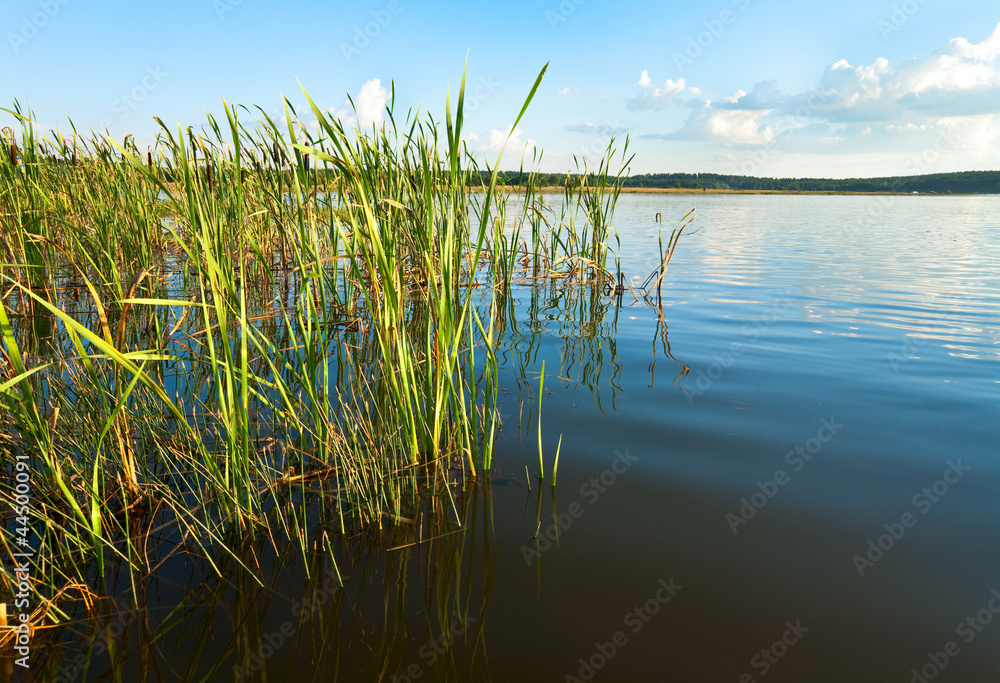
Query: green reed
(243,316)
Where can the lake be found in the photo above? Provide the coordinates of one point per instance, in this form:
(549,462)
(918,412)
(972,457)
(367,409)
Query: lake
(788,471)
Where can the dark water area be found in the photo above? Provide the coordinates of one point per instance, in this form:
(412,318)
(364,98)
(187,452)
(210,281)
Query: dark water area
(789,475)
(843,388)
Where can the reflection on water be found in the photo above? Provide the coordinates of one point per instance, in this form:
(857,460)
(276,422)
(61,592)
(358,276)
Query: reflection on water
(585,323)
(350,610)
(785,315)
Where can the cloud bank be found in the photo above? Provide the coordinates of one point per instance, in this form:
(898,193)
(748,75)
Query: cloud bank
(953,94)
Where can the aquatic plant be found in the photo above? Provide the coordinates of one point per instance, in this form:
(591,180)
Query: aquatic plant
(258,330)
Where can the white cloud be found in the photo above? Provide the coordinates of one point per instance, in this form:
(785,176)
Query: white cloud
(729,127)
(848,88)
(948,102)
(960,79)
(492,141)
(369,104)
(564,91)
(740,127)
(736,98)
(653,97)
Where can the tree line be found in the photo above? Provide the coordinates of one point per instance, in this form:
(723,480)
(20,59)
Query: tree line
(965,182)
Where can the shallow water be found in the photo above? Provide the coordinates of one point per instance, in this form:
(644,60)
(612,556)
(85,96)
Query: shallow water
(789,476)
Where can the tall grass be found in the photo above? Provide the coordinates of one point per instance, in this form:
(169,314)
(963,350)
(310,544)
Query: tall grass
(251,328)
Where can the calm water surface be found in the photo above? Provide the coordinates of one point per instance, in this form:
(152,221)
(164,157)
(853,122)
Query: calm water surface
(844,376)
(790,475)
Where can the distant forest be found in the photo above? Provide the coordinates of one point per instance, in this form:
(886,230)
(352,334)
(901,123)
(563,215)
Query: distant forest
(966,182)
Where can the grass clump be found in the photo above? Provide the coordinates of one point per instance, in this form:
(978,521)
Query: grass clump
(257,330)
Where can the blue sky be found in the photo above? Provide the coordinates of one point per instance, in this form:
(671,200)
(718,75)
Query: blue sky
(759,87)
